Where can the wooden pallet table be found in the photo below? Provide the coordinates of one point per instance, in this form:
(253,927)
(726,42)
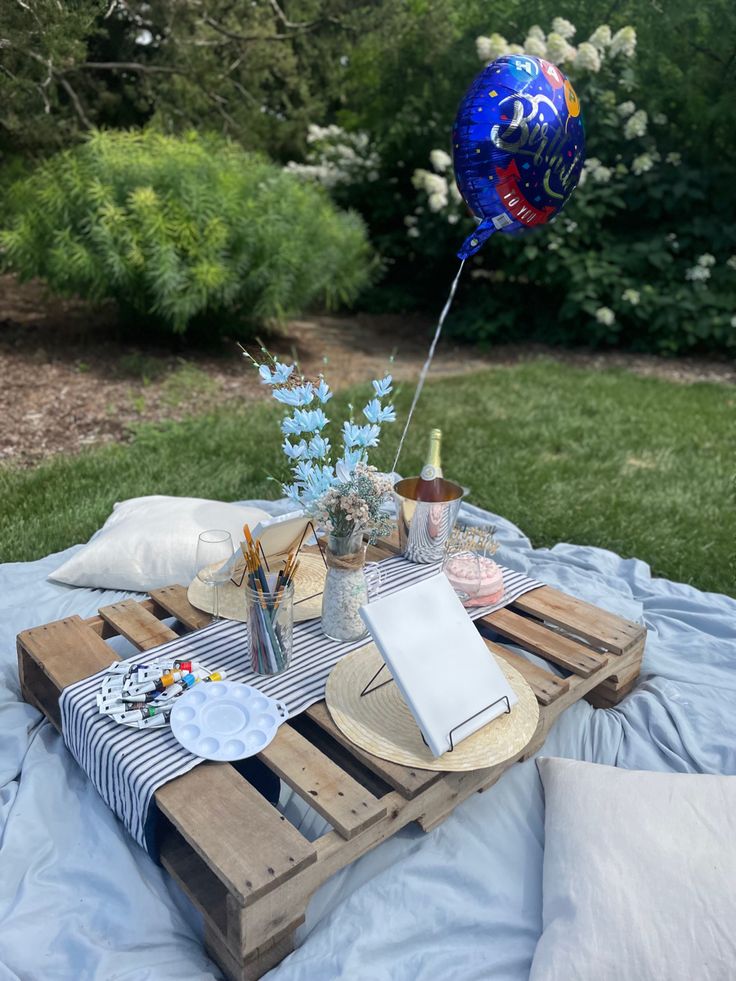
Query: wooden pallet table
(241,863)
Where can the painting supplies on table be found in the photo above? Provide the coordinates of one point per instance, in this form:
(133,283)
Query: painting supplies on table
(270,599)
(142,695)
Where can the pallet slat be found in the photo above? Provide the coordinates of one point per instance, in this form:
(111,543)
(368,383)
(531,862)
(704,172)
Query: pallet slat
(67,650)
(173,599)
(218,812)
(598,627)
(409,782)
(545,685)
(132,621)
(321,783)
(538,639)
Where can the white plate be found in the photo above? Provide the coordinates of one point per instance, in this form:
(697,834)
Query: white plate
(225,720)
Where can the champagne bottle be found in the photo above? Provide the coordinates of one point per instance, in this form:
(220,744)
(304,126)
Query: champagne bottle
(430,485)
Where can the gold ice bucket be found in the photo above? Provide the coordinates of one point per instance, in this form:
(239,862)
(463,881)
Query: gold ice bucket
(424,526)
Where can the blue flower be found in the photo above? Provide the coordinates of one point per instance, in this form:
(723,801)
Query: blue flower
(382,387)
(372,411)
(303,471)
(322,391)
(320,481)
(290,426)
(310,420)
(265,372)
(350,434)
(303,419)
(289,396)
(300,395)
(294,452)
(376,413)
(306,391)
(343,471)
(282,373)
(293,492)
(344,468)
(319,447)
(368,436)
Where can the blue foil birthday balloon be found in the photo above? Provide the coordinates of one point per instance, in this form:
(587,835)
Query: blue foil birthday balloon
(518,146)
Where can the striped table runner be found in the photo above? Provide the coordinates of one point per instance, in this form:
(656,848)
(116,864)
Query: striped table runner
(127,766)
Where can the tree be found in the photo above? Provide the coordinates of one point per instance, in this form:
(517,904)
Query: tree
(244,67)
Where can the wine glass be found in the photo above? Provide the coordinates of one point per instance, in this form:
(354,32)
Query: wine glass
(214,551)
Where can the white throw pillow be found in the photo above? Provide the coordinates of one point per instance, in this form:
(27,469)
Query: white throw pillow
(148,542)
(639,875)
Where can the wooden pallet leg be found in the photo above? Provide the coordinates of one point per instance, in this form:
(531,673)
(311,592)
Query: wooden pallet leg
(611,691)
(257,963)
(259,935)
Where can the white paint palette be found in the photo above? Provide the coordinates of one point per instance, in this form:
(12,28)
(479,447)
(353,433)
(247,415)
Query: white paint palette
(225,720)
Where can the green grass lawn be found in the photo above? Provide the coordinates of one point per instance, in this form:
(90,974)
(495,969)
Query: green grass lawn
(641,466)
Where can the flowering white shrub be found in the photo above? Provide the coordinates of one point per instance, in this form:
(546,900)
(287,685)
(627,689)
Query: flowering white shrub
(623,42)
(490,48)
(636,125)
(642,164)
(605,316)
(588,57)
(558,50)
(440,160)
(336,157)
(697,274)
(563,27)
(601,38)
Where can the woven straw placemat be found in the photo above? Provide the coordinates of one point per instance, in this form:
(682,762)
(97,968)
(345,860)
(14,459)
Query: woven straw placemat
(309,584)
(381,723)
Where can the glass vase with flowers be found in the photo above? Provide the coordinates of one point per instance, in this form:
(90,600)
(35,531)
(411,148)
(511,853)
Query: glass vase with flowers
(346,498)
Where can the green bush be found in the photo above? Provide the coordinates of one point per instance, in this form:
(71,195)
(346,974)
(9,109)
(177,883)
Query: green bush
(182,232)
(644,255)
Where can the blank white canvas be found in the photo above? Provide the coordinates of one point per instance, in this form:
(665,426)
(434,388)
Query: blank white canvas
(438,660)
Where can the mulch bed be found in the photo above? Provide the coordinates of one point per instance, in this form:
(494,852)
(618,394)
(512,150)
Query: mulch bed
(65,384)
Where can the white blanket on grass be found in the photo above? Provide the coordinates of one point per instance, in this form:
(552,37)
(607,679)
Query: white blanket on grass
(79,900)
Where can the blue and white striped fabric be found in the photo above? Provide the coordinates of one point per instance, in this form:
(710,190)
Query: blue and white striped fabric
(127,766)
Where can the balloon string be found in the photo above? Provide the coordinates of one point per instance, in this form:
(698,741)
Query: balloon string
(428,362)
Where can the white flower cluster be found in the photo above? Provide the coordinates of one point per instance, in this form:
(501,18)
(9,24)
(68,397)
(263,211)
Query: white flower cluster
(597,172)
(556,46)
(435,186)
(442,193)
(605,316)
(642,164)
(674,158)
(731,262)
(636,125)
(700,272)
(623,42)
(631,296)
(336,157)
(588,58)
